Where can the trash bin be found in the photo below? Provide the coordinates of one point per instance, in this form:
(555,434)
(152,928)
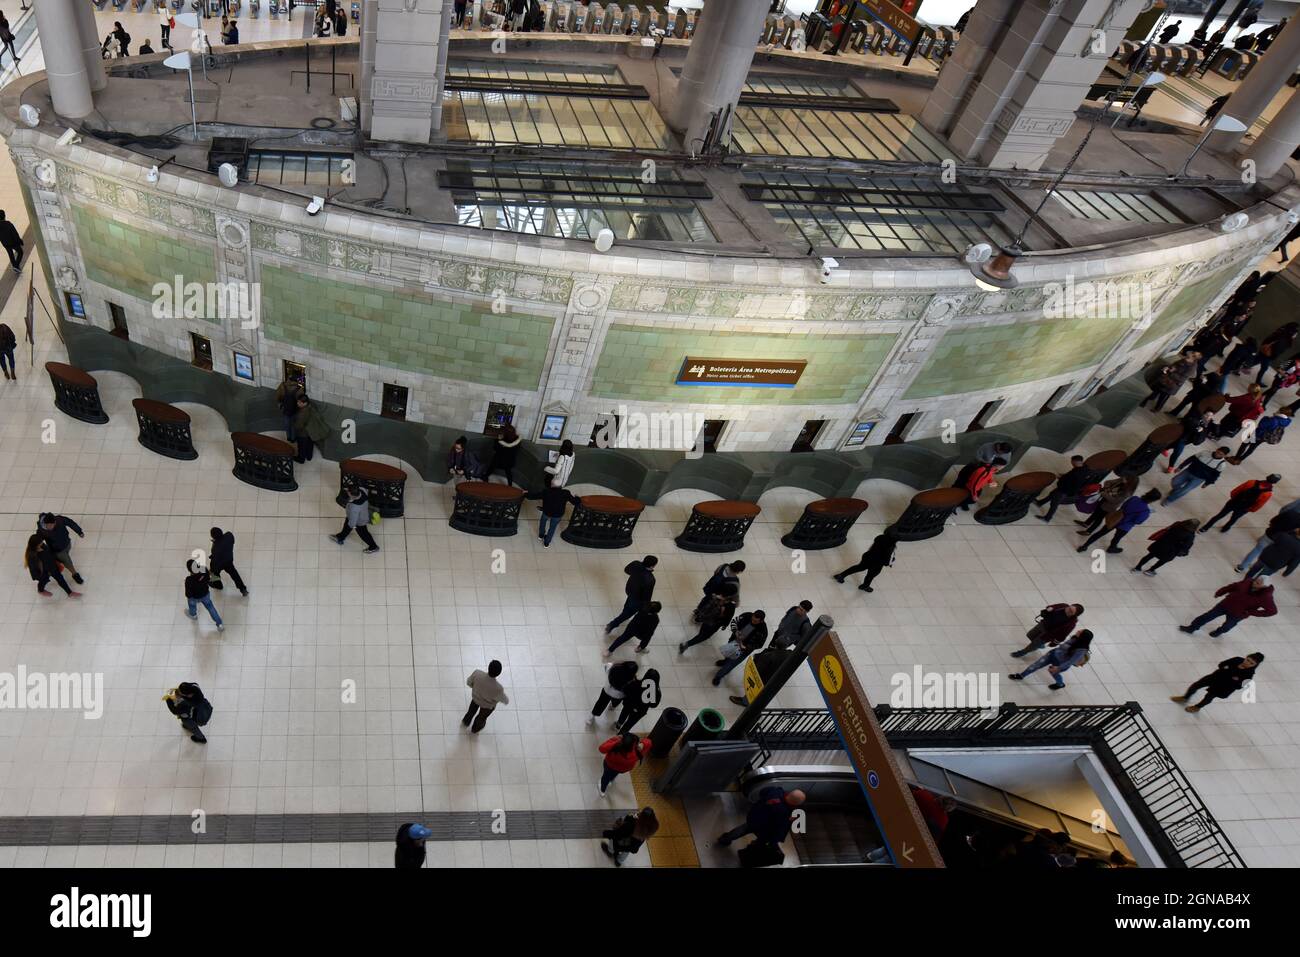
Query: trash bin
(707,726)
(669,727)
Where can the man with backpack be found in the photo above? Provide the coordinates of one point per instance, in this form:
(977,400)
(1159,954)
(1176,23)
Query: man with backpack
(356,506)
(186,701)
(1246,497)
(638,590)
(1268,431)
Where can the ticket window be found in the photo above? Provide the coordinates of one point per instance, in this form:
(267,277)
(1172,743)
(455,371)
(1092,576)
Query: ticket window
(393,403)
(898,433)
(117,316)
(808,435)
(201,346)
(499,415)
(982,417)
(711,434)
(1055,399)
(297,372)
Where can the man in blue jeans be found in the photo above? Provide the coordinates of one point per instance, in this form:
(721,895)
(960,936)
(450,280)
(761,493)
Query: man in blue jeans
(1249,598)
(639,589)
(1202,469)
(750,635)
(554,500)
(769,818)
(196,592)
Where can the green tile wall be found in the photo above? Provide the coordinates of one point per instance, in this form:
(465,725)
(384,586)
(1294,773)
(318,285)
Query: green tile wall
(1187,304)
(640,362)
(407,330)
(132,260)
(991,357)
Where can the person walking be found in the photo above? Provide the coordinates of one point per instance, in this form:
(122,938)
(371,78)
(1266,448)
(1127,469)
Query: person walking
(54,529)
(748,635)
(975,478)
(794,626)
(637,590)
(1197,426)
(42,566)
(1245,498)
(1286,377)
(724,581)
(409,853)
(554,501)
(1268,431)
(485,693)
(1169,380)
(874,560)
(628,834)
(1239,600)
(1282,552)
(622,753)
(196,593)
(1286,520)
(1243,354)
(1168,33)
(562,467)
(642,627)
(619,678)
(7,38)
(1131,514)
(1226,679)
(1052,626)
(286,398)
(1172,542)
(1241,409)
(505,453)
(1275,345)
(639,698)
(458,12)
(1074,651)
(165,24)
(187,703)
(12,242)
(1110,498)
(1067,487)
(715,612)
(222,558)
(462,464)
(1213,109)
(123,39)
(310,428)
(356,515)
(8,343)
(1203,469)
(769,818)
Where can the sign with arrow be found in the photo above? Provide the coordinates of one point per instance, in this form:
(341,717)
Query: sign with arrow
(906,835)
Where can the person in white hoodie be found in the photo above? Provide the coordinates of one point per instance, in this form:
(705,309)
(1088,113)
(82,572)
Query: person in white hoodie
(485,693)
(562,467)
(165,24)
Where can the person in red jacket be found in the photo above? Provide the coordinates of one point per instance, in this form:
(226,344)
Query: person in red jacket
(1241,409)
(1246,497)
(1252,598)
(622,753)
(975,478)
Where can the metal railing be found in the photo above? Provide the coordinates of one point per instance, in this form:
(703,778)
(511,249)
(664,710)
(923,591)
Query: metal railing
(1173,815)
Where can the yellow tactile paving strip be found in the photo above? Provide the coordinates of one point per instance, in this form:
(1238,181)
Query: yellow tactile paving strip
(673,845)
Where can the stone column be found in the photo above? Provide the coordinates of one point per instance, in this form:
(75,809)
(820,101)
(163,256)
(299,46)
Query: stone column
(65,68)
(1274,146)
(1260,86)
(88,32)
(368,26)
(1047,57)
(405,87)
(716,66)
(974,52)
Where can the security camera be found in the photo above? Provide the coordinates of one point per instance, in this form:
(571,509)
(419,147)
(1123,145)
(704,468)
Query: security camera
(829,266)
(29,114)
(316,205)
(69,137)
(604,240)
(152,174)
(228,174)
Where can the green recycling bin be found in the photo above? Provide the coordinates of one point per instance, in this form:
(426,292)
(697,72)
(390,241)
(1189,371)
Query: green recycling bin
(707,726)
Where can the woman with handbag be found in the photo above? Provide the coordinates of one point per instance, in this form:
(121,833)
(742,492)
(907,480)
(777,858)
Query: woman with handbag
(1069,653)
(713,614)
(628,834)
(1113,495)
(357,516)
(1053,625)
(1169,543)
(622,754)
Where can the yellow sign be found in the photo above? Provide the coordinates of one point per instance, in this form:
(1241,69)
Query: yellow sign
(753,681)
(831,674)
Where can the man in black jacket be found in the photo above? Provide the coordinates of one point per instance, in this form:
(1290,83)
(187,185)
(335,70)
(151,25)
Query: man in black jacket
(12,242)
(794,627)
(642,627)
(619,679)
(222,559)
(874,559)
(54,529)
(196,593)
(750,633)
(769,817)
(554,501)
(639,589)
(1068,486)
(1231,674)
(1283,551)
(186,701)
(724,579)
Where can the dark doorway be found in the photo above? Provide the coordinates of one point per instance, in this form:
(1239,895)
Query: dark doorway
(604,434)
(499,415)
(982,417)
(712,434)
(394,401)
(117,315)
(1055,398)
(202,347)
(808,435)
(899,432)
(297,372)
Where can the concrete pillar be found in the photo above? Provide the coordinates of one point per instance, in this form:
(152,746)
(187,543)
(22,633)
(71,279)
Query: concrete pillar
(1261,85)
(972,56)
(1046,58)
(368,28)
(88,32)
(65,67)
(1274,146)
(717,63)
(405,86)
